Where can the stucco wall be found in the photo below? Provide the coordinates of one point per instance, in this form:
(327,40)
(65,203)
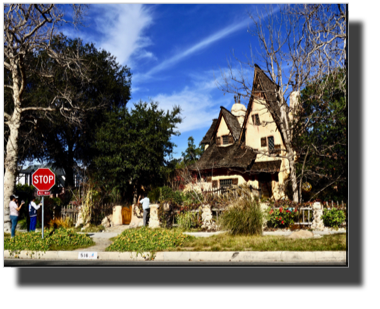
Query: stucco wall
(255,133)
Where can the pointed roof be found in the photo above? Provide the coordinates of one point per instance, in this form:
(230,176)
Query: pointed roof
(207,138)
(269,90)
(231,121)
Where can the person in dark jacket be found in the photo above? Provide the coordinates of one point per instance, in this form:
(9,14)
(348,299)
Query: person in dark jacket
(33,214)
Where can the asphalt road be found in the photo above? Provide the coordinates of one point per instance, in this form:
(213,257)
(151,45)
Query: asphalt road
(84,263)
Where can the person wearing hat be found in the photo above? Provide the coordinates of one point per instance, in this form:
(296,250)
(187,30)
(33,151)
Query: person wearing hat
(33,214)
(14,209)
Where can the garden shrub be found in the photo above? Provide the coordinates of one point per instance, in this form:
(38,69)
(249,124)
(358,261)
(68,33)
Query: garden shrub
(282,217)
(58,239)
(187,220)
(59,222)
(147,240)
(243,217)
(333,217)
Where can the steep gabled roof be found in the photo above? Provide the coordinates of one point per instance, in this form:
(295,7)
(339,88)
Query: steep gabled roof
(269,90)
(232,122)
(233,156)
(207,138)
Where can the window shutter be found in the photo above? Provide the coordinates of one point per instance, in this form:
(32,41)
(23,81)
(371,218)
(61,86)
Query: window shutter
(208,179)
(235,181)
(230,139)
(214,183)
(257,120)
(218,141)
(277,148)
(263,142)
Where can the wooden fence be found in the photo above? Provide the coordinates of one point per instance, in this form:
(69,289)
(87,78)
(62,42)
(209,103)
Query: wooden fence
(224,190)
(97,213)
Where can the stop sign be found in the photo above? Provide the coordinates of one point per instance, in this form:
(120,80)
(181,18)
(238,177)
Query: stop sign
(43,179)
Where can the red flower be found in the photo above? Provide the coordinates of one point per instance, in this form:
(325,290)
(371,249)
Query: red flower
(276,218)
(280,218)
(287,211)
(271,211)
(280,209)
(282,222)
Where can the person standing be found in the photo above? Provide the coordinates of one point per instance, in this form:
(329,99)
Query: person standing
(33,214)
(145,205)
(14,209)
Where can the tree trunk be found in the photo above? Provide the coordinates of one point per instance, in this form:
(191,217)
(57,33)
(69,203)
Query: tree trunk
(293,176)
(69,169)
(11,165)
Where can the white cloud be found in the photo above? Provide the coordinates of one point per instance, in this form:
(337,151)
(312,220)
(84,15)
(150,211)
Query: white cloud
(120,30)
(123,27)
(199,104)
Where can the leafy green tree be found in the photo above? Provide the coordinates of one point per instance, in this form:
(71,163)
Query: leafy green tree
(322,146)
(54,139)
(192,153)
(133,146)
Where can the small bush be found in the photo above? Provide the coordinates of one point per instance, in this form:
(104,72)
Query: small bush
(244,217)
(59,222)
(147,240)
(187,220)
(333,217)
(281,217)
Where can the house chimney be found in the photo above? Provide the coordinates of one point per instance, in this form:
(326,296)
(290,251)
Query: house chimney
(238,110)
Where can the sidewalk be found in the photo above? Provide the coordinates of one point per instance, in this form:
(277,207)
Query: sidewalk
(185,256)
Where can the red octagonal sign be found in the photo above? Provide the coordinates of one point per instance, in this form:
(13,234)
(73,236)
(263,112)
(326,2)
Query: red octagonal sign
(43,179)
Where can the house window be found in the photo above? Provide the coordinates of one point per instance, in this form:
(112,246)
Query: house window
(263,142)
(270,142)
(256,119)
(225,139)
(225,183)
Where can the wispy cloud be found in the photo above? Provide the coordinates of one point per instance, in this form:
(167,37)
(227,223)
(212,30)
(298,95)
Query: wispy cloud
(201,45)
(123,27)
(198,46)
(199,103)
(120,29)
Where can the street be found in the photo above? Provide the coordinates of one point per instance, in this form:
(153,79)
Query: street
(81,263)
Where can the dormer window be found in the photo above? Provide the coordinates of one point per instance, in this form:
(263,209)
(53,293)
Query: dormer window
(224,140)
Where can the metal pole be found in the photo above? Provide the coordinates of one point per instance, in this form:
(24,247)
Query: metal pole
(43,217)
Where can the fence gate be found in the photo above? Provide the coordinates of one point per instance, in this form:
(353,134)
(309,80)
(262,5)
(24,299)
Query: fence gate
(126,213)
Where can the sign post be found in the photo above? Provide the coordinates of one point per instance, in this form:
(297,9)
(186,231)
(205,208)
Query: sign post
(42,219)
(43,179)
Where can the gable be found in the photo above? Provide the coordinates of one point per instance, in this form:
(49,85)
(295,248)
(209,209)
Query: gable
(227,124)
(263,88)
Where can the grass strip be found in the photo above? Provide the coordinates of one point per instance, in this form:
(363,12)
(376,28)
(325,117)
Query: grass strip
(226,242)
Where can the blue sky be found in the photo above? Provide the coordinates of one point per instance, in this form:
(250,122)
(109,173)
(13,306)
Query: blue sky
(175,52)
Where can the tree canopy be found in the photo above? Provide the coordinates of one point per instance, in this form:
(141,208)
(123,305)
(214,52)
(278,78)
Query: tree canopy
(322,142)
(133,147)
(53,138)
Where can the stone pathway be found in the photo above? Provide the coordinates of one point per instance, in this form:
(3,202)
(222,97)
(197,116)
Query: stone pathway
(102,240)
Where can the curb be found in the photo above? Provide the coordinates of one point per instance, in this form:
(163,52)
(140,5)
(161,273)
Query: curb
(199,256)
